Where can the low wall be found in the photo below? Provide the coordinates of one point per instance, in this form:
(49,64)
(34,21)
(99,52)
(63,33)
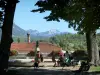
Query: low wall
(49,60)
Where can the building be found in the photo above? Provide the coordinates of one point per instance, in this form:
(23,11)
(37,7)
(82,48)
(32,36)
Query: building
(26,47)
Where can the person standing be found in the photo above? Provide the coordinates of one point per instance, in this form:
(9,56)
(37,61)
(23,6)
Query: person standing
(41,57)
(53,56)
(37,59)
(67,54)
(37,55)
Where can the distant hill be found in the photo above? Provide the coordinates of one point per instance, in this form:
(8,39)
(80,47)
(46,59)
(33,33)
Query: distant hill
(43,34)
(17,31)
(21,33)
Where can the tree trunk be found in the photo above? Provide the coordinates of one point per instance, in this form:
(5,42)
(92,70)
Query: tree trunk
(89,46)
(6,38)
(96,51)
(92,48)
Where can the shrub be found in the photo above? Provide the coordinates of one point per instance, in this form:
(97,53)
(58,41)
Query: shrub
(56,53)
(31,53)
(80,54)
(13,52)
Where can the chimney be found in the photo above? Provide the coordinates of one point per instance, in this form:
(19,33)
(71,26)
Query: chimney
(28,37)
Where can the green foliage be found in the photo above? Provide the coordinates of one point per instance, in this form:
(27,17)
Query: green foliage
(66,41)
(54,53)
(80,55)
(3,4)
(82,15)
(70,41)
(31,53)
(37,44)
(13,52)
(94,69)
(33,39)
(18,40)
(22,39)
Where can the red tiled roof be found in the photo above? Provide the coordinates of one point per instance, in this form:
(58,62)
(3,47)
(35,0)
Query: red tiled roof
(26,47)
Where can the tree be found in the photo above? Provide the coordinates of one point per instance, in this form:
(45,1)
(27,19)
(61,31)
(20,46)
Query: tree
(82,15)
(18,40)
(69,41)
(36,47)
(2,5)
(6,38)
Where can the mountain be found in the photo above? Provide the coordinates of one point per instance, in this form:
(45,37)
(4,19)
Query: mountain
(19,32)
(33,32)
(43,34)
(50,33)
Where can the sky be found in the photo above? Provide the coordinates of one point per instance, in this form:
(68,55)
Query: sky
(26,19)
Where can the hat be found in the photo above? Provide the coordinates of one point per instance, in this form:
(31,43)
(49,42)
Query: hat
(38,49)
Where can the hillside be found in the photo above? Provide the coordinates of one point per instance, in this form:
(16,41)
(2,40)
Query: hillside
(17,31)
(34,34)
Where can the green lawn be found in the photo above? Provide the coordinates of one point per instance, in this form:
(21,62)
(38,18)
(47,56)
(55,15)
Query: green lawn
(93,68)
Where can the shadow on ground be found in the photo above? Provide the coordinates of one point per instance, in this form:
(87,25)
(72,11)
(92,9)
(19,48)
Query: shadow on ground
(31,71)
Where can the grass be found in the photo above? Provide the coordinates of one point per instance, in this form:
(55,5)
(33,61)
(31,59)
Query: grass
(93,68)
